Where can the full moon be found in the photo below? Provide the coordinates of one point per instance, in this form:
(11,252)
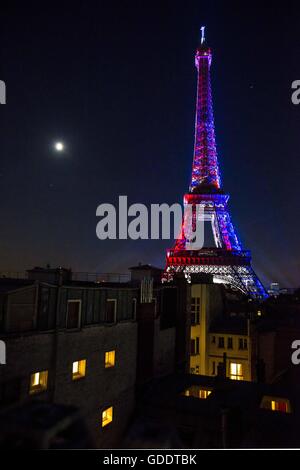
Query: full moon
(59,146)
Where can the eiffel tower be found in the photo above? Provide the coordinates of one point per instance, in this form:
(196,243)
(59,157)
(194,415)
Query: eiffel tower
(227,262)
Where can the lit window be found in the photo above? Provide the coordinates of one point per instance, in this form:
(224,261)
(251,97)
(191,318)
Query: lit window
(197,392)
(236,371)
(204,393)
(107,416)
(38,382)
(78,369)
(259,313)
(110,359)
(276,404)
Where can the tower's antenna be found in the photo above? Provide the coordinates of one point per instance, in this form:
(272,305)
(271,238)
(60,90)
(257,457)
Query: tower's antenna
(202,29)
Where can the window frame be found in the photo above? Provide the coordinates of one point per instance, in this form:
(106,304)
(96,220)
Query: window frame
(134,307)
(195,318)
(196,346)
(197,391)
(115,311)
(40,387)
(80,374)
(78,301)
(111,417)
(195,311)
(271,403)
(236,376)
(108,364)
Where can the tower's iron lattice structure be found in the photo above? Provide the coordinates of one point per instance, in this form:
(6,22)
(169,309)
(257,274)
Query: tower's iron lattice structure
(226,261)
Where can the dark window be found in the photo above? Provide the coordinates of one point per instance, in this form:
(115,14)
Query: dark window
(73,314)
(133,311)
(195,346)
(195,310)
(195,318)
(241,343)
(245,345)
(46,309)
(221,343)
(213,368)
(42,319)
(156,310)
(229,343)
(89,309)
(111,309)
(213,340)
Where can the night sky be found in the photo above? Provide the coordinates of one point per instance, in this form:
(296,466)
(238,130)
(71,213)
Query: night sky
(116,82)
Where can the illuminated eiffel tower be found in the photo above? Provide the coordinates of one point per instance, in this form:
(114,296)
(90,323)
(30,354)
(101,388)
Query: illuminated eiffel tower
(226,261)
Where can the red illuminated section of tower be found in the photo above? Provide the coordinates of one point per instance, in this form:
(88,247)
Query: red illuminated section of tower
(205,172)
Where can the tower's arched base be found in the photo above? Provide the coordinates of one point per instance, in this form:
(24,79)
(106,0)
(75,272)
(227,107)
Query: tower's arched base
(228,267)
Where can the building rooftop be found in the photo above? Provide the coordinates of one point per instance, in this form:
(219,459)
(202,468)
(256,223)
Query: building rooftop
(233,325)
(10,284)
(99,284)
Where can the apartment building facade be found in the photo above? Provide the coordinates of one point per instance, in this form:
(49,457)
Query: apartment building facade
(73,344)
(89,345)
(219,343)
